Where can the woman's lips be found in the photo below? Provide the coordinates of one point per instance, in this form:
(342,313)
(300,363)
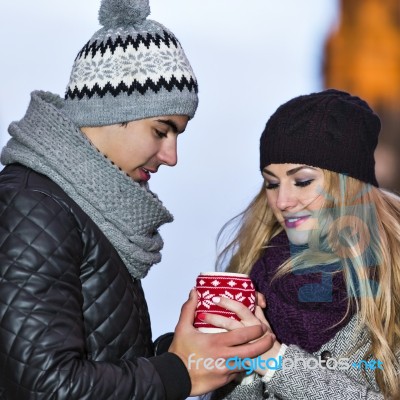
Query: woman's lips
(294,222)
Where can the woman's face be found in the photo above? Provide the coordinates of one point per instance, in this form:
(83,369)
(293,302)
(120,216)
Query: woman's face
(294,193)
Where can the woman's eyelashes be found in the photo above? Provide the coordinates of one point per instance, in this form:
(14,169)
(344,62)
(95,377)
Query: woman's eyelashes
(304,183)
(270,185)
(298,183)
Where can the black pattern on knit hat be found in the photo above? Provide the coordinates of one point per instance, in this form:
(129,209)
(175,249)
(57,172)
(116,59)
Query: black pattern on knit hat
(130,69)
(331,129)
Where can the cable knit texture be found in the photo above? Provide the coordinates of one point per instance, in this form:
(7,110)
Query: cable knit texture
(340,130)
(304,308)
(128,214)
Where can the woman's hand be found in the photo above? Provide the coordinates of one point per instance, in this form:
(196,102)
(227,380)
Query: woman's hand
(247,318)
(196,349)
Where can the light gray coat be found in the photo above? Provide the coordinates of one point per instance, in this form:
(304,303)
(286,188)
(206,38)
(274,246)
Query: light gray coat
(320,383)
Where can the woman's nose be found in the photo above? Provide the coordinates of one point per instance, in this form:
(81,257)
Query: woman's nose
(286,198)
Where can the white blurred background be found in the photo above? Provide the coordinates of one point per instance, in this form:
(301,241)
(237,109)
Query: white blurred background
(249,56)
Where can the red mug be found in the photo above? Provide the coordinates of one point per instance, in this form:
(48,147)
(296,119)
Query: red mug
(233,286)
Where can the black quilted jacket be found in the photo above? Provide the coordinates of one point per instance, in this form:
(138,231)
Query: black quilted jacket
(73,324)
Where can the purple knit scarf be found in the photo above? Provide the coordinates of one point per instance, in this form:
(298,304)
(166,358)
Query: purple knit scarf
(303,308)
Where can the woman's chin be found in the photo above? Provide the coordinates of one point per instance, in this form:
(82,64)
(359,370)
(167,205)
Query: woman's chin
(298,238)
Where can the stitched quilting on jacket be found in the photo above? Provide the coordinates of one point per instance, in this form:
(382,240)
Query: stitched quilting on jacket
(73,323)
(76,236)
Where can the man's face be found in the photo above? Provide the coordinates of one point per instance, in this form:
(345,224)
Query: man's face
(140,147)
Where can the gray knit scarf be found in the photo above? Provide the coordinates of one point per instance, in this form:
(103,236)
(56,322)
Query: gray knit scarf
(128,214)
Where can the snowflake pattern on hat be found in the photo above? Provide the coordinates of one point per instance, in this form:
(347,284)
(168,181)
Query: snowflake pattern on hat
(132,68)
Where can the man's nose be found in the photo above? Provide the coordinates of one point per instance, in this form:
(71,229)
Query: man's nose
(168,153)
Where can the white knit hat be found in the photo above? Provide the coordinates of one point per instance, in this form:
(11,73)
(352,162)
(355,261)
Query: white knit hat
(132,68)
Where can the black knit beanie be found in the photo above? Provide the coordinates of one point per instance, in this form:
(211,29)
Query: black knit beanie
(331,129)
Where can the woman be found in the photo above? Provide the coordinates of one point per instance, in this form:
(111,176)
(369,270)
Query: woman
(321,242)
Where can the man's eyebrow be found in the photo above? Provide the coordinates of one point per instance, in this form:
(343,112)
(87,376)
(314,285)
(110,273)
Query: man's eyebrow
(290,172)
(171,124)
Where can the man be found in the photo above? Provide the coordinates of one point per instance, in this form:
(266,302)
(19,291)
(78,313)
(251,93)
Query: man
(79,226)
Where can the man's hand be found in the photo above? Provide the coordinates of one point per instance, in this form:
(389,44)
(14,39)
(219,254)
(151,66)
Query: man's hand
(195,347)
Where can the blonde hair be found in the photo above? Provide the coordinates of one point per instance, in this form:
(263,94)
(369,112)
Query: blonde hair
(360,228)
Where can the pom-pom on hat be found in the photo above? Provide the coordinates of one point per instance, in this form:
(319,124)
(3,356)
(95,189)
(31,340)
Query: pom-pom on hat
(331,129)
(132,68)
